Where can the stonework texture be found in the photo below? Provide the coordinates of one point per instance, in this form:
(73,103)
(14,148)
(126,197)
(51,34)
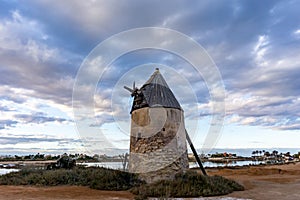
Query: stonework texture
(157,143)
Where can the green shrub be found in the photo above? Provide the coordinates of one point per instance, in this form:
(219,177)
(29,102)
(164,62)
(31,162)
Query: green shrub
(97,178)
(114,180)
(188,184)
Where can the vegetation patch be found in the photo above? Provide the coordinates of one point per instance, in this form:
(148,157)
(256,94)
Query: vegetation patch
(96,178)
(190,184)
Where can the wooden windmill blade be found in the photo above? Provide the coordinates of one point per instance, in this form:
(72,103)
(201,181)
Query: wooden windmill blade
(133,90)
(129,89)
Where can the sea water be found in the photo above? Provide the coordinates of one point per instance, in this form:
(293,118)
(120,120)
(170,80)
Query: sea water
(6,171)
(118,165)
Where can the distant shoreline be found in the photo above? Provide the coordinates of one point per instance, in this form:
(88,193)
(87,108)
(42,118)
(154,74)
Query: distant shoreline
(244,152)
(221,158)
(43,164)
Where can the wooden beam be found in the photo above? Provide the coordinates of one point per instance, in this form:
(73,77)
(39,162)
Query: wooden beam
(195,153)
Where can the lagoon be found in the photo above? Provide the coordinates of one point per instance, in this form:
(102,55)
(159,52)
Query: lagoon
(6,171)
(118,165)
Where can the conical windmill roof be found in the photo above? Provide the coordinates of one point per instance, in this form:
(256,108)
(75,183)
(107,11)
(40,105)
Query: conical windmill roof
(157,92)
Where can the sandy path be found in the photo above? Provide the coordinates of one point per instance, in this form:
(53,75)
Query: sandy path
(59,193)
(280,182)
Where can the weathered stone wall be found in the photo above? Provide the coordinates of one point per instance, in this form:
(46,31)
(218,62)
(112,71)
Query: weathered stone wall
(158,143)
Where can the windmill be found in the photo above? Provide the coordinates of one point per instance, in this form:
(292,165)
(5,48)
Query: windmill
(158,136)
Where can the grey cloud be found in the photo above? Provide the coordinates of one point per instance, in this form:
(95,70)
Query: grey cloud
(16,140)
(7,123)
(102,119)
(38,118)
(5,108)
(34,64)
(94,19)
(290,127)
(9,95)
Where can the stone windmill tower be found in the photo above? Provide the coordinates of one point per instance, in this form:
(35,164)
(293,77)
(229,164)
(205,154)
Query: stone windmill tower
(158,148)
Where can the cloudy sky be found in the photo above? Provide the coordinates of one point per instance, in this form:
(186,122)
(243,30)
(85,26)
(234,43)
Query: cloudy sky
(43,44)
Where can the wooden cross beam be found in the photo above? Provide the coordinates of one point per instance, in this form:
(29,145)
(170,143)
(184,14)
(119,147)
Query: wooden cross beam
(195,153)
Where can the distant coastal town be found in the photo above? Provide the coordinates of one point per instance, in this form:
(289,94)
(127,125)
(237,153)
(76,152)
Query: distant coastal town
(258,155)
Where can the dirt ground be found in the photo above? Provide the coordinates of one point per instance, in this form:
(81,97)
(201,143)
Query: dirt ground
(277,182)
(280,182)
(60,193)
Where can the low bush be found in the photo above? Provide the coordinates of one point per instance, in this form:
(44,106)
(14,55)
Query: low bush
(188,184)
(96,178)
